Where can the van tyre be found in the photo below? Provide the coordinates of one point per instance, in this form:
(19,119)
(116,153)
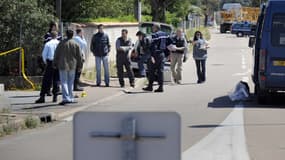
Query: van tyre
(262,96)
(240,34)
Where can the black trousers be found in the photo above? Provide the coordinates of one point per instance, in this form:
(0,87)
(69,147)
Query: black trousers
(201,70)
(123,61)
(156,69)
(50,78)
(76,79)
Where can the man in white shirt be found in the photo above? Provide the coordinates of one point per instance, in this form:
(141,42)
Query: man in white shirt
(51,76)
(79,38)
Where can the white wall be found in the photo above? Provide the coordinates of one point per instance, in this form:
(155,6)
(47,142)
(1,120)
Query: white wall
(113,30)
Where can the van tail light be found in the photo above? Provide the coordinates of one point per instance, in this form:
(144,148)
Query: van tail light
(262,60)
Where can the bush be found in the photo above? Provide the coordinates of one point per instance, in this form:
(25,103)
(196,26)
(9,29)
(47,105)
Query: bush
(32,122)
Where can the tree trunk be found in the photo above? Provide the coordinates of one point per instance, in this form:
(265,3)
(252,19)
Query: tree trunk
(206,20)
(158,9)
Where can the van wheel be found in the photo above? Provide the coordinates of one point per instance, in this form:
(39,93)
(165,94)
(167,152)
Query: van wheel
(240,34)
(262,96)
(262,99)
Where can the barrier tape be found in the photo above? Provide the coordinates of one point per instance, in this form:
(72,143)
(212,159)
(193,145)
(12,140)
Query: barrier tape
(22,63)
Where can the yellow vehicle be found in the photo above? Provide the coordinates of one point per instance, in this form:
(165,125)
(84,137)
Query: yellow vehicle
(234,12)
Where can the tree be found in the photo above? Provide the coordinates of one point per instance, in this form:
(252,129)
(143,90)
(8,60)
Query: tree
(208,7)
(29,19)
(160,7)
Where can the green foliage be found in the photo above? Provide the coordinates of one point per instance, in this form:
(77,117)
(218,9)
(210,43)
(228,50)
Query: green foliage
(171,18)
(32,21)
(146,18)
(109,19)
(74,10)
(32,122)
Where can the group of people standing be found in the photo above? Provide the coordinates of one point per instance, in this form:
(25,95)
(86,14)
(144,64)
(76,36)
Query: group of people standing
(64,59)
(156,51)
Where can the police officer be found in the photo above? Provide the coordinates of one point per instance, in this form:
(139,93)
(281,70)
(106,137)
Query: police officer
(51,74)
(159,43)
(123,46)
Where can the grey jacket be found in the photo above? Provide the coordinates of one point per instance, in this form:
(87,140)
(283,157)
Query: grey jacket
(199,54)
(68,55)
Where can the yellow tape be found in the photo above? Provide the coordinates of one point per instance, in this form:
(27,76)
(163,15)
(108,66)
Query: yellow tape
(22,63)
(7,52)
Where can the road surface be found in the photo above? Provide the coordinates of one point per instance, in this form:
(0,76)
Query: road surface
(213,127)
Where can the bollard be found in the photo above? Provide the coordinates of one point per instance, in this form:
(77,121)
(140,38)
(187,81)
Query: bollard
(1,89)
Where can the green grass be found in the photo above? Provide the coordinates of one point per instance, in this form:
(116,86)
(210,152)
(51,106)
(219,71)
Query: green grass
(32,122)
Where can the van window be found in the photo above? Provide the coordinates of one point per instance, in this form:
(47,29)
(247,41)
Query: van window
(278,30)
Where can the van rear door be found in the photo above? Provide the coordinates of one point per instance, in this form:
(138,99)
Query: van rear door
(276,48)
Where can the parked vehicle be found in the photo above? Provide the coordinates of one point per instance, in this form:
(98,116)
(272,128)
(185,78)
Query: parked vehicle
(235,12)
(268,51)
(146,27)
(241,29)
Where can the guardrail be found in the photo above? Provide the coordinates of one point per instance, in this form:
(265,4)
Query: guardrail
(22,52)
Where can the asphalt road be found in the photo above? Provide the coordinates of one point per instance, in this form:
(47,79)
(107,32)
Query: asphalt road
(213,127)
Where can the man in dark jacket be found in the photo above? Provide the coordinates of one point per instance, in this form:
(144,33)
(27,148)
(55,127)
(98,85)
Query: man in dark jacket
(123,46)
(100,46)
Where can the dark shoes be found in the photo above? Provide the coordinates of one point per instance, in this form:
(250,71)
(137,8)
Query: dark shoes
(40,100)
(158,90)
(148,89)
(54,99)
(65,102)
(48,94)
(107,85)
(200,81)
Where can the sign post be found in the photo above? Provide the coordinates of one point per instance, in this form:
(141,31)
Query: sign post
(126,136)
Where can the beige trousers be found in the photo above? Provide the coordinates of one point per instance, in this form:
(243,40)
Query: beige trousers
(176,66)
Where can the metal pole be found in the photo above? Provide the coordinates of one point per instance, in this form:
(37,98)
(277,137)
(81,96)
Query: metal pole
(20,55)
(58,12)
(139,11)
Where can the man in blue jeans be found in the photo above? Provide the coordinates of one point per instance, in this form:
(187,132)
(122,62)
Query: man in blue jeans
(100,46)
(67,59)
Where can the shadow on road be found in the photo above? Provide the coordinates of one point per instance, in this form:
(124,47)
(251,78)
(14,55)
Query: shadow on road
(28,96)
(276,102)
(235,125)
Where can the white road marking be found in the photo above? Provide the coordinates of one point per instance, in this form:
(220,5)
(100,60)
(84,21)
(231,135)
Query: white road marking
(243,62)
(226,142)
(243,73)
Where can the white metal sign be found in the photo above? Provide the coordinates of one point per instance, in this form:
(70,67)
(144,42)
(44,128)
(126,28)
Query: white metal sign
(127,136)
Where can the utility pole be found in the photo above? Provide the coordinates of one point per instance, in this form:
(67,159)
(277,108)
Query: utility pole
(58,14)
(138,10)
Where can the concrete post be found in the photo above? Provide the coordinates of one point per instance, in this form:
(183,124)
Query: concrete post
(1,89)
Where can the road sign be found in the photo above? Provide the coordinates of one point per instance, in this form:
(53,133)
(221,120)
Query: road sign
(126,136)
